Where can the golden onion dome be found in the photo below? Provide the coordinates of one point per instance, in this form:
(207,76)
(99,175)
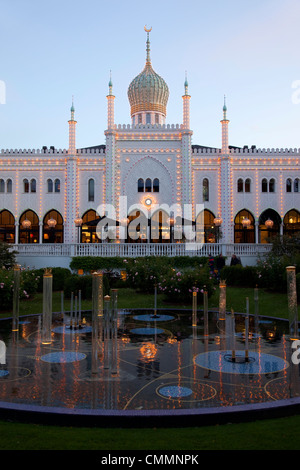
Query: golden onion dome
(148,92)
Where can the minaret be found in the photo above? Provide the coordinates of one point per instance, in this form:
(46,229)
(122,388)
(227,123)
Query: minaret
(110,133)
(110,106)
(225,192)
(186,150)
(225,123)
(72,131)
(71,208)
(186,106)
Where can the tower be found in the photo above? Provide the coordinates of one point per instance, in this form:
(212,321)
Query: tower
(71,209)
(110,106)
(186,105)
(226,186)
(225,123)
(186,150)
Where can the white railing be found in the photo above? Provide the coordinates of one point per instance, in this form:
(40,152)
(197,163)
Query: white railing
(141,249)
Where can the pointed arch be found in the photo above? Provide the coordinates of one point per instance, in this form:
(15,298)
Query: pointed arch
(244,233)
(7,226)
(268,225)
(29,227)
(53,227)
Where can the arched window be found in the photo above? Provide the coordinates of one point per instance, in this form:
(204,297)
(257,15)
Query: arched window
(91,190)
(9,185)
(265,228)
(272,185)
(88,231)
(33,186)
(289,185)
(140,185)
(2,186)
(57,186)
(7,225)
(148,118)
(50,186)
(148,185)
(29,231)
(53,227)
(247,185)
(291,222)
(296,185)
(26,186)
(244,233)
(156,185)
(240,185)
(205,189)
(264,185)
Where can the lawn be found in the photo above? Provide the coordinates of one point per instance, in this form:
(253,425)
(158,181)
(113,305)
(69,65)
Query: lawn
(270,303)
(276,434)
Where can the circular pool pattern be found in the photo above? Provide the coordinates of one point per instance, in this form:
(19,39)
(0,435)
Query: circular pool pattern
(175,391)
(140,374)
(63,357)
(259,363)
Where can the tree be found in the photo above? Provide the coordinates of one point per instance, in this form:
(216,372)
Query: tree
(7,256)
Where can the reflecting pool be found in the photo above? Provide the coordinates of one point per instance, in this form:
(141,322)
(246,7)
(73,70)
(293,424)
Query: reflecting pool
(147,360)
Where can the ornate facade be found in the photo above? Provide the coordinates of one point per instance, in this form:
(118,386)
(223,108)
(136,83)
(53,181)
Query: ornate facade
(242,195)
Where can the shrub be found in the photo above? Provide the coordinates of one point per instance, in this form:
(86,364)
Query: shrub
(178,286)
(240,276)
(28,286)
(144,273)
(75,283)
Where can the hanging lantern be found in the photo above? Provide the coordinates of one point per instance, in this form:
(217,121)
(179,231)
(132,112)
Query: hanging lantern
(269,223)
(26,224)
(246,222)
(51,223)
(218,221)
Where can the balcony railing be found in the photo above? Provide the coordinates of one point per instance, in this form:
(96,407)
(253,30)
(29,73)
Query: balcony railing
(142,249)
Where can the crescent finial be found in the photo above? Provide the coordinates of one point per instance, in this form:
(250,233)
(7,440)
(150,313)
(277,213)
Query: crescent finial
(147,30)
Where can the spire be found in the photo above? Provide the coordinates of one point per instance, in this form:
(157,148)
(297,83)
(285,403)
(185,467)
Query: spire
(72,109)
(72,131)
(186,85)
(225,122)
(224,109)
(110,85)
(110,105)
(148,59)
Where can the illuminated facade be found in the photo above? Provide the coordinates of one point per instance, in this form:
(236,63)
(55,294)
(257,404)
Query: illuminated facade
(52,196)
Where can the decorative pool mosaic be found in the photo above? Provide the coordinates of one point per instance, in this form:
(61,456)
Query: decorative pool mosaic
(147,362)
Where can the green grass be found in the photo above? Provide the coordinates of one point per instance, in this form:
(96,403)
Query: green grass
(270,303)
(276,434)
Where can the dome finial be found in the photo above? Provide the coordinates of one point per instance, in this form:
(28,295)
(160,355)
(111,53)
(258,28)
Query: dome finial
(148,60)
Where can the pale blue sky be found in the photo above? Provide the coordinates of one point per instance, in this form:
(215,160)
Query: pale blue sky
(246,49)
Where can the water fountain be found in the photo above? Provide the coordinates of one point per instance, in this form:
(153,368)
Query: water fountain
(16,298)
(107,370)
(292,301)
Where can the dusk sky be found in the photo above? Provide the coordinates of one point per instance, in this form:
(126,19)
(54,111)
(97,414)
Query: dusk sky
(245,49)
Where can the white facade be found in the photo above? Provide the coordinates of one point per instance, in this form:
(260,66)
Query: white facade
(233,183)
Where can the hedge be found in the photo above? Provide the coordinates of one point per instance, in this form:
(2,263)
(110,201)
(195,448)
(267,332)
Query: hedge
(93,263)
